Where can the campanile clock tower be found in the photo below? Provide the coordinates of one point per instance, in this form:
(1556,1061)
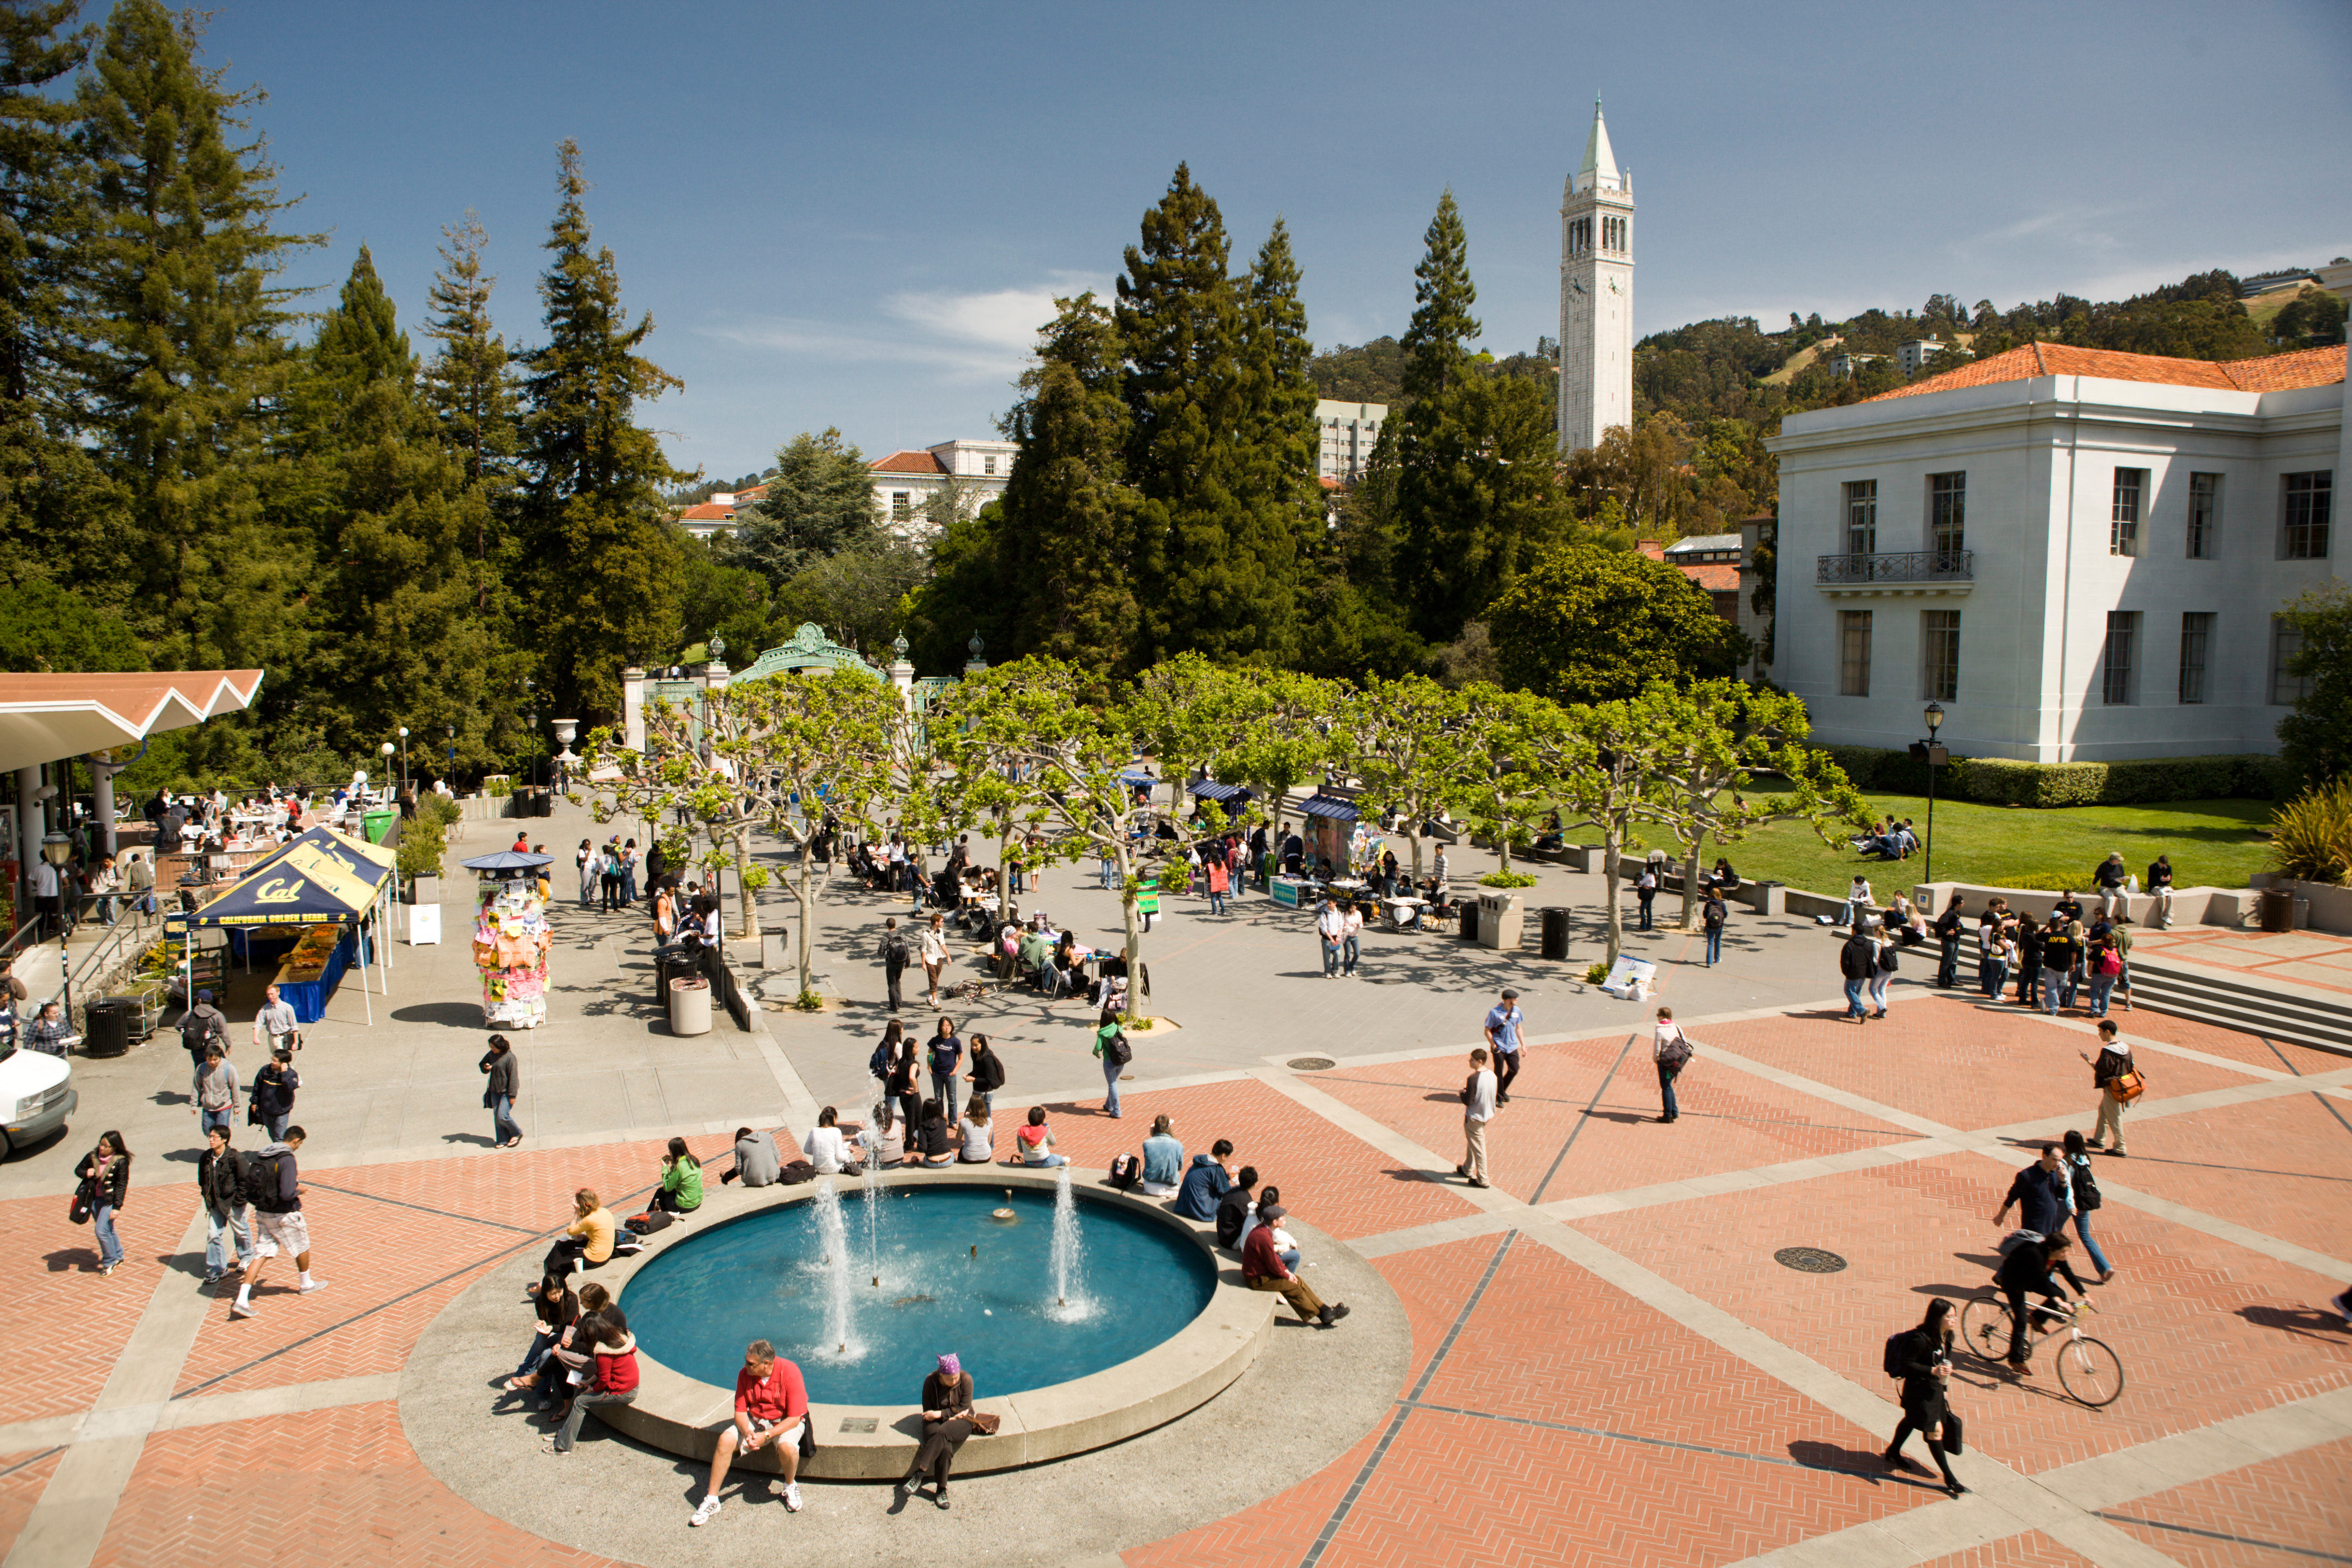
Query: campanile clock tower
(1596,296)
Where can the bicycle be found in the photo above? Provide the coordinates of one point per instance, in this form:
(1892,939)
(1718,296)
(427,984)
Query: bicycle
(2090,1372)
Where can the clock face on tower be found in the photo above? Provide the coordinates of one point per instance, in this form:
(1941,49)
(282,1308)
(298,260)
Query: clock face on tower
(1612,286)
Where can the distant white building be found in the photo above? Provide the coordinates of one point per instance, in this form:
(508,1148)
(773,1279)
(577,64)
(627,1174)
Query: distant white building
(1349,431)
(2080,554)
(1910,356)
(904,482)
(1596,296)
(1844,365)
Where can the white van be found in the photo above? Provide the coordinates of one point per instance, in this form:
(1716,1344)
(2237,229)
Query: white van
(37,1096)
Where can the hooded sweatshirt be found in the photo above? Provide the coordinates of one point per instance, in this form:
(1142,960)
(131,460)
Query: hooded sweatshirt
(287,1201)
(1204,1183)
(617,1366)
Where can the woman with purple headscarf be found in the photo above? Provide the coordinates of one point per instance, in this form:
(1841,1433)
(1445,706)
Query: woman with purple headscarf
(947,1422)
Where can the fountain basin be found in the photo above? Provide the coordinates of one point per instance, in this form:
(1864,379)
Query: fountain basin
(1171,1324)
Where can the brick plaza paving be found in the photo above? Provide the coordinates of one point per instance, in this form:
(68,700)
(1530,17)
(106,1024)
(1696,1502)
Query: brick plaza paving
(1607,1364)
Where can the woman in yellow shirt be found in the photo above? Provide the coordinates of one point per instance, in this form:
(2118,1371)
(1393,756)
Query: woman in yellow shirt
(587,1241)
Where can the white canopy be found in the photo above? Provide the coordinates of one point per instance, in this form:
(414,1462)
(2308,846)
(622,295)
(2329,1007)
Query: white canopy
(43,717)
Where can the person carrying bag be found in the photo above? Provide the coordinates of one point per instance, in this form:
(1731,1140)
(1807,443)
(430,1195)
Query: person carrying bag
(1672,1052)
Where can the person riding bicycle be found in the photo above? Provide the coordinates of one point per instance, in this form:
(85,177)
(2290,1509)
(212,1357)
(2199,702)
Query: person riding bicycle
(2026,1271)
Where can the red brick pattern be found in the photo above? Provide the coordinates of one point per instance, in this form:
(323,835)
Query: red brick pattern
(1280,1531)
(54,1281)
(2281,1166)
(2252,1049)
(2302,1503)
(350,1491)
(22,1479)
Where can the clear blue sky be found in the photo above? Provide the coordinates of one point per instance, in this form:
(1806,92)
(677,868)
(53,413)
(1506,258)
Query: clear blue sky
(857,215)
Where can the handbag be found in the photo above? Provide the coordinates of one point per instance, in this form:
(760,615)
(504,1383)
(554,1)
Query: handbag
(985,1423)
(2128,1086)
(79,1210)
(1951,1438)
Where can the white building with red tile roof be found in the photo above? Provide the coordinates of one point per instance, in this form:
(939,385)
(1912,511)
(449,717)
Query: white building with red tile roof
(2079,554)
(905,481)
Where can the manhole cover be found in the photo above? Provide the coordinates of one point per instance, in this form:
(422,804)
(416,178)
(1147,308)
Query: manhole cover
(1809,1260)
(1311,1064)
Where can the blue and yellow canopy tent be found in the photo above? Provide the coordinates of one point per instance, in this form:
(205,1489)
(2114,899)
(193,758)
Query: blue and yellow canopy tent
(320,877)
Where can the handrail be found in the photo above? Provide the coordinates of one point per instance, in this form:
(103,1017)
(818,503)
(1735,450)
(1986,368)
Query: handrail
(1898,566)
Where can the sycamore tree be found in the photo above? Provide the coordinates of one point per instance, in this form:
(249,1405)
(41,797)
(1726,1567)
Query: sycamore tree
(1038,742)
(1275,731)
(1512,739)
(1404,739)
(780,754)
(1715,741)
(1602,767)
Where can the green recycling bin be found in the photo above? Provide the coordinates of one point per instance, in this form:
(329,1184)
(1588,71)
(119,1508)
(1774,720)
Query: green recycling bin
(377,823)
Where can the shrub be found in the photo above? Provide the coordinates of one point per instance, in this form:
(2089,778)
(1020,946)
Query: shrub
(1594,974)
(1998,780)
(2311,835)
(1507,880)
(498,786)
(422,842)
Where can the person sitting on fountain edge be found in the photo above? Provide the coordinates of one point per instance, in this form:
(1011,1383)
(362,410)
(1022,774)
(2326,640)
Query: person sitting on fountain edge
(1205,1182)
(770,1402)
(1263,1269)
(828,1150)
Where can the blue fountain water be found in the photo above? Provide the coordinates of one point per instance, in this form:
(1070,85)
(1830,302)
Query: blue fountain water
(771,1276)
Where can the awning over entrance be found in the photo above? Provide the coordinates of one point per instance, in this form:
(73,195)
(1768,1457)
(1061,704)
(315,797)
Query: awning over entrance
(43,717)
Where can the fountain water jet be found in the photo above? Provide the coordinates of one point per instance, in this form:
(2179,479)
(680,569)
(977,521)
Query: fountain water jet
(1068,1262)
(833,1238)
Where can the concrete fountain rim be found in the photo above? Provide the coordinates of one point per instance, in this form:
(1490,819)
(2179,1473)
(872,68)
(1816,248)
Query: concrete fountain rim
(683,1415)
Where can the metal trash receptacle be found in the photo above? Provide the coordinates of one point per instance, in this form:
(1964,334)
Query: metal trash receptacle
(689,1005)
(1555,931)
(2278,908)
(1502,920)
(1469,908)
(107,1026)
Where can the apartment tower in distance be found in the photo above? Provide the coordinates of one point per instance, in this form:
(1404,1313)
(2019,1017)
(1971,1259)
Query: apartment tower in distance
(1596,296)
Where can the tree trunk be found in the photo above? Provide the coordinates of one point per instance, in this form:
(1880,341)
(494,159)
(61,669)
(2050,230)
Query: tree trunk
(1690,884)
(1609,839)
(1502,836)
(1134,929)
(808,919)
(742,836)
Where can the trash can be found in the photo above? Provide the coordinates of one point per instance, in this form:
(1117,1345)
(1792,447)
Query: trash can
(2278,908)
(543,801)
(378,824)
(1469,919)
(1555,933)
(1502,917)
(107,1025)
(689,1005)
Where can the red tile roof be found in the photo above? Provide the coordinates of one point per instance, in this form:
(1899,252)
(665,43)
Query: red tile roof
(709,512)
(1714,576)
(907,462)
(2275,373)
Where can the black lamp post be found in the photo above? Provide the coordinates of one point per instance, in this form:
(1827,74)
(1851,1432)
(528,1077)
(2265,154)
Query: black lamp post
(403,759)
(1935,757)
(58,849)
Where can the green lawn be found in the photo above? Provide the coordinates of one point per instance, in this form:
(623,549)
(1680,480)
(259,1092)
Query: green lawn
(2213,843)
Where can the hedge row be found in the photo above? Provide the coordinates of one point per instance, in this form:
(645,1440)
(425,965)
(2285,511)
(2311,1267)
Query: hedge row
(1997,781)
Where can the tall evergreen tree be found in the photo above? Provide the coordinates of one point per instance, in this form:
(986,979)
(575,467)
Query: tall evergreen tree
(50,502)
(469,383)
(819,502)
(1216,578)
(184,353)
(603,565)
(1279,438)
(1477,493)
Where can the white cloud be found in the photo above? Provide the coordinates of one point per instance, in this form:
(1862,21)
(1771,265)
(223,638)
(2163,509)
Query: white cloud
(981,335)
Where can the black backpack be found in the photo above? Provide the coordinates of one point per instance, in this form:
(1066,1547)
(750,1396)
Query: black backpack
(1897,1345)
(1125,1172)
(257,1181)
(2086,1188)
(1117,1051)
(894,950)
(878,1064)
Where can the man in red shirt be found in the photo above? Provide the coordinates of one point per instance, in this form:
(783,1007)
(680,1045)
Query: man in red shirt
(770,1402)
(1262,1268)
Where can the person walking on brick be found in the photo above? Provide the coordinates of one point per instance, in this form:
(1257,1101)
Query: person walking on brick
(1925,1356)
(1477,1110)
(220,1184)
(1672,1052)
(2113,1065)
(1505,1032)
(274,1187)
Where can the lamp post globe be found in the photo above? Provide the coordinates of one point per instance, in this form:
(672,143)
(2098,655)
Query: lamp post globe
(1934,717)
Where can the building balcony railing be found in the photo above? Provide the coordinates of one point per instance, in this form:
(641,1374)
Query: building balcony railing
(1902,566)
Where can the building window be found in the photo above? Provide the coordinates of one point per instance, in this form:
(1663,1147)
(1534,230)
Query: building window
(2123,519)
(2204,515)
(1853,653)
(988,464)
(1948,505)
(2287,689)
(1939,654)
(1861,517)
(2115,687)
(2308,498)
(2196,644)
(902,505)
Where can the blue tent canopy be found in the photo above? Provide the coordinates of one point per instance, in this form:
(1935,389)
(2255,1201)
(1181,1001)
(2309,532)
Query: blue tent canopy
(1210,789)
(507,861)
(1134,781)
(1330,805)
(310,883)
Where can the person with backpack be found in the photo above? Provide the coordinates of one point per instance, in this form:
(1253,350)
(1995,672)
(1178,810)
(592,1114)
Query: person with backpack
(886,1052)
(2102,964)
(1714,915)
(987,1075)
(1947,931)
(2082,1197)
(893,951)
(105,1176)
(2031,1269)
(608,874)
(271,1102)
(1672,1052)
(273,1185)
(1857,962)
(220,1182)
(946,1053)
(2118,1080)
(201,1027)
(1111,1046)
(505,1071)
(1882,974)
(1922,1358)
(1645,893)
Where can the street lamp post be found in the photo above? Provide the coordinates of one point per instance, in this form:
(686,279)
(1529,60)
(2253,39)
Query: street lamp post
(58,849)
(403,759)
(451,771)
(1934,756)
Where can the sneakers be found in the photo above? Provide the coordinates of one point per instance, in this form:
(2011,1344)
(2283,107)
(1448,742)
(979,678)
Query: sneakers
(792,1497)
(705,1512)
(309,1285)
(241,1309)
(212,1277)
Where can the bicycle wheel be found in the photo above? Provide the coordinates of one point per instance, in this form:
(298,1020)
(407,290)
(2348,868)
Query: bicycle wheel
(2089,1371)
(1984,1327)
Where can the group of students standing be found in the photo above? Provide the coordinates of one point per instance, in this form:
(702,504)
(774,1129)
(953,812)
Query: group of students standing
(2057,961)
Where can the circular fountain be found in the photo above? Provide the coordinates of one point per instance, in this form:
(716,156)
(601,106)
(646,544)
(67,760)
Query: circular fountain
(1086,1317)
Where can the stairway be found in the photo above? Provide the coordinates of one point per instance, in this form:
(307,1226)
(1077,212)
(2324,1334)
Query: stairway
(2297,1016)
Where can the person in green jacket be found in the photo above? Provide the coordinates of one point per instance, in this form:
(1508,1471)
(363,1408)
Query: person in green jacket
(681,1180)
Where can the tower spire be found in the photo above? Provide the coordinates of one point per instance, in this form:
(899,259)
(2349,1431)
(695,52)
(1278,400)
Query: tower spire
(1598,159)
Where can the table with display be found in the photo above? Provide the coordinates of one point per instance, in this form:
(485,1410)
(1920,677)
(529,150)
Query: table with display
(311,971)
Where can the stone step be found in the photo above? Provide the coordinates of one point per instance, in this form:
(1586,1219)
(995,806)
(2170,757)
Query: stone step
(2299,1019)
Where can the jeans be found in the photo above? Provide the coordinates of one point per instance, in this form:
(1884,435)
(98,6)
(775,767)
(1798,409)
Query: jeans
(531,1359)
(2029,975)
(1879,983)
(1110,876)
(1111,1070)
(892,972)
(101,1226)
(1506,1072)
(2073,986)
(1666,1076)
(628,884)
(106,908)
(2052,979)
(1216,903)
(2090,1243)
(1350,949)
(1854,1007)
(276,1125)
(220,1118)
(1714,945)
(2101,984)
(503,1125)
(581,1405)
(943,1089)
(1646,901)
(1330,957)
(220,1232)
(1947,974)
(1992,975)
